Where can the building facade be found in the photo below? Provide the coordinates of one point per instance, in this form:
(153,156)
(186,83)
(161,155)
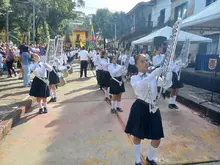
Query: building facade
(140,23)
(161,12)
(146,17)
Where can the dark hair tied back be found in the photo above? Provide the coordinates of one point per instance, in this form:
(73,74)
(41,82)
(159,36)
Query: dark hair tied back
(137,58)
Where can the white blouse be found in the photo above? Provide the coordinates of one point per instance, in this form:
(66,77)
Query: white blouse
(145,86)
(131,60)
(97,62)
(177,65)
(115,70)
(158,59)
(105,63)
(40,69)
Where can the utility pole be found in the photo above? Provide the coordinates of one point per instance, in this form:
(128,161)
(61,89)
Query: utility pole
(34,10)
(7,25)
(115,36)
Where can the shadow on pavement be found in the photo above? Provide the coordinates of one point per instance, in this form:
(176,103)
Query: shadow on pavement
(86,134)
(11,88)
(8,84)
(92,87)
(14,94)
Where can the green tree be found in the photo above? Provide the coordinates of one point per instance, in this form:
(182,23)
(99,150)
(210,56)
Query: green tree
(104,22)
(50,15)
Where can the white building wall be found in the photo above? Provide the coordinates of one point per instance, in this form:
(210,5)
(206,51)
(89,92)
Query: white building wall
(199,6)
(160,5)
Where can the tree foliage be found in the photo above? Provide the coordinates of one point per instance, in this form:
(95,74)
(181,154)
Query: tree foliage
(104,22)
(49,18)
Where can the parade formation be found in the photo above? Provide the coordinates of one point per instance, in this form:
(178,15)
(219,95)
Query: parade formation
(152,77)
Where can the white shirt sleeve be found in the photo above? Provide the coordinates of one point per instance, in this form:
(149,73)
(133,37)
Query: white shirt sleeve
(144,83)
(48,67)
(114,71)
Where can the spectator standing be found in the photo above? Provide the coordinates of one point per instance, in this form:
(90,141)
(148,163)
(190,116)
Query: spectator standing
(10,60)
(26,58)
(83,60)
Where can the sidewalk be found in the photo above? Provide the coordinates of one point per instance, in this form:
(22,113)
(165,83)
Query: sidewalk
(200,100)
(12,93)
(80,130)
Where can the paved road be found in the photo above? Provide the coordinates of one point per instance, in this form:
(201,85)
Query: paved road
(79,130)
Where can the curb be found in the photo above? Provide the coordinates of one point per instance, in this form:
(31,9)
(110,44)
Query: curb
(200,108)
(7,123)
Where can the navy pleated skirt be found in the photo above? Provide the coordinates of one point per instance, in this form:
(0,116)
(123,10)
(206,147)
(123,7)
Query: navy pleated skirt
(115,88)
(105,79)
(39,88)
(176,83)
(142,123)
(53,78)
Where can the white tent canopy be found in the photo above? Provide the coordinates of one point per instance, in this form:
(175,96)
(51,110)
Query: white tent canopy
(166,32)
(209,17)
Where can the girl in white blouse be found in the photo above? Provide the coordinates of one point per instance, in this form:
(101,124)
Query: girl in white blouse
(132,69)
(177,65)
(39,88)
(105,77)
(144,121)
(116,84)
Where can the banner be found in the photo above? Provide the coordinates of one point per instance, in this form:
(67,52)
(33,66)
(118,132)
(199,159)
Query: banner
(92,33)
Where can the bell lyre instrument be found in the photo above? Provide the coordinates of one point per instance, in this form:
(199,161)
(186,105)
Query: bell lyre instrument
(168,60)
(183,59)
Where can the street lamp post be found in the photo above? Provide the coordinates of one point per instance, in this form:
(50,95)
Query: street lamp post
(34,10)
(7,24)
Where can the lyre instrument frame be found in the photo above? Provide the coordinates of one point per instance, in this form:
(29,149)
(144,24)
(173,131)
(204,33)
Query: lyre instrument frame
(168,61)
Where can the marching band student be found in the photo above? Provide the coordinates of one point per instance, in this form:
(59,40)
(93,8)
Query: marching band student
(158,59)
(105,78)
(99,70)
(144,121)
(39,87)
(116,84)
(132,69)
(177,65)
(53,81)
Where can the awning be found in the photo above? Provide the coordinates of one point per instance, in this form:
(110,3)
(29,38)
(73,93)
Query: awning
(209,17)
(166,32)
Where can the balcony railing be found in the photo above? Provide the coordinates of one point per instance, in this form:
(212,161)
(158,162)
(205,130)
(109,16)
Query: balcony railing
(140,26)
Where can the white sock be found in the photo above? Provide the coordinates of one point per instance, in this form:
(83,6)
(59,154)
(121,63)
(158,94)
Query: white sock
(151,153)
(106,93)
(51,93)
(174,99)
(41,106)
(45,104)
(113,104)
(54,93)
(118,104)
(137,151)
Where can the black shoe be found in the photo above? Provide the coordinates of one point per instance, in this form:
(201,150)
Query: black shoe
(164,96)
(175,107)
(138,163)
(40,111)
(53,100)
(113,110)
(119,109)
(151,162)
(45,110)
(171,106)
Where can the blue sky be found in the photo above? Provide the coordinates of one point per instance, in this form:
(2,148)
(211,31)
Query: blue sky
(113,5)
